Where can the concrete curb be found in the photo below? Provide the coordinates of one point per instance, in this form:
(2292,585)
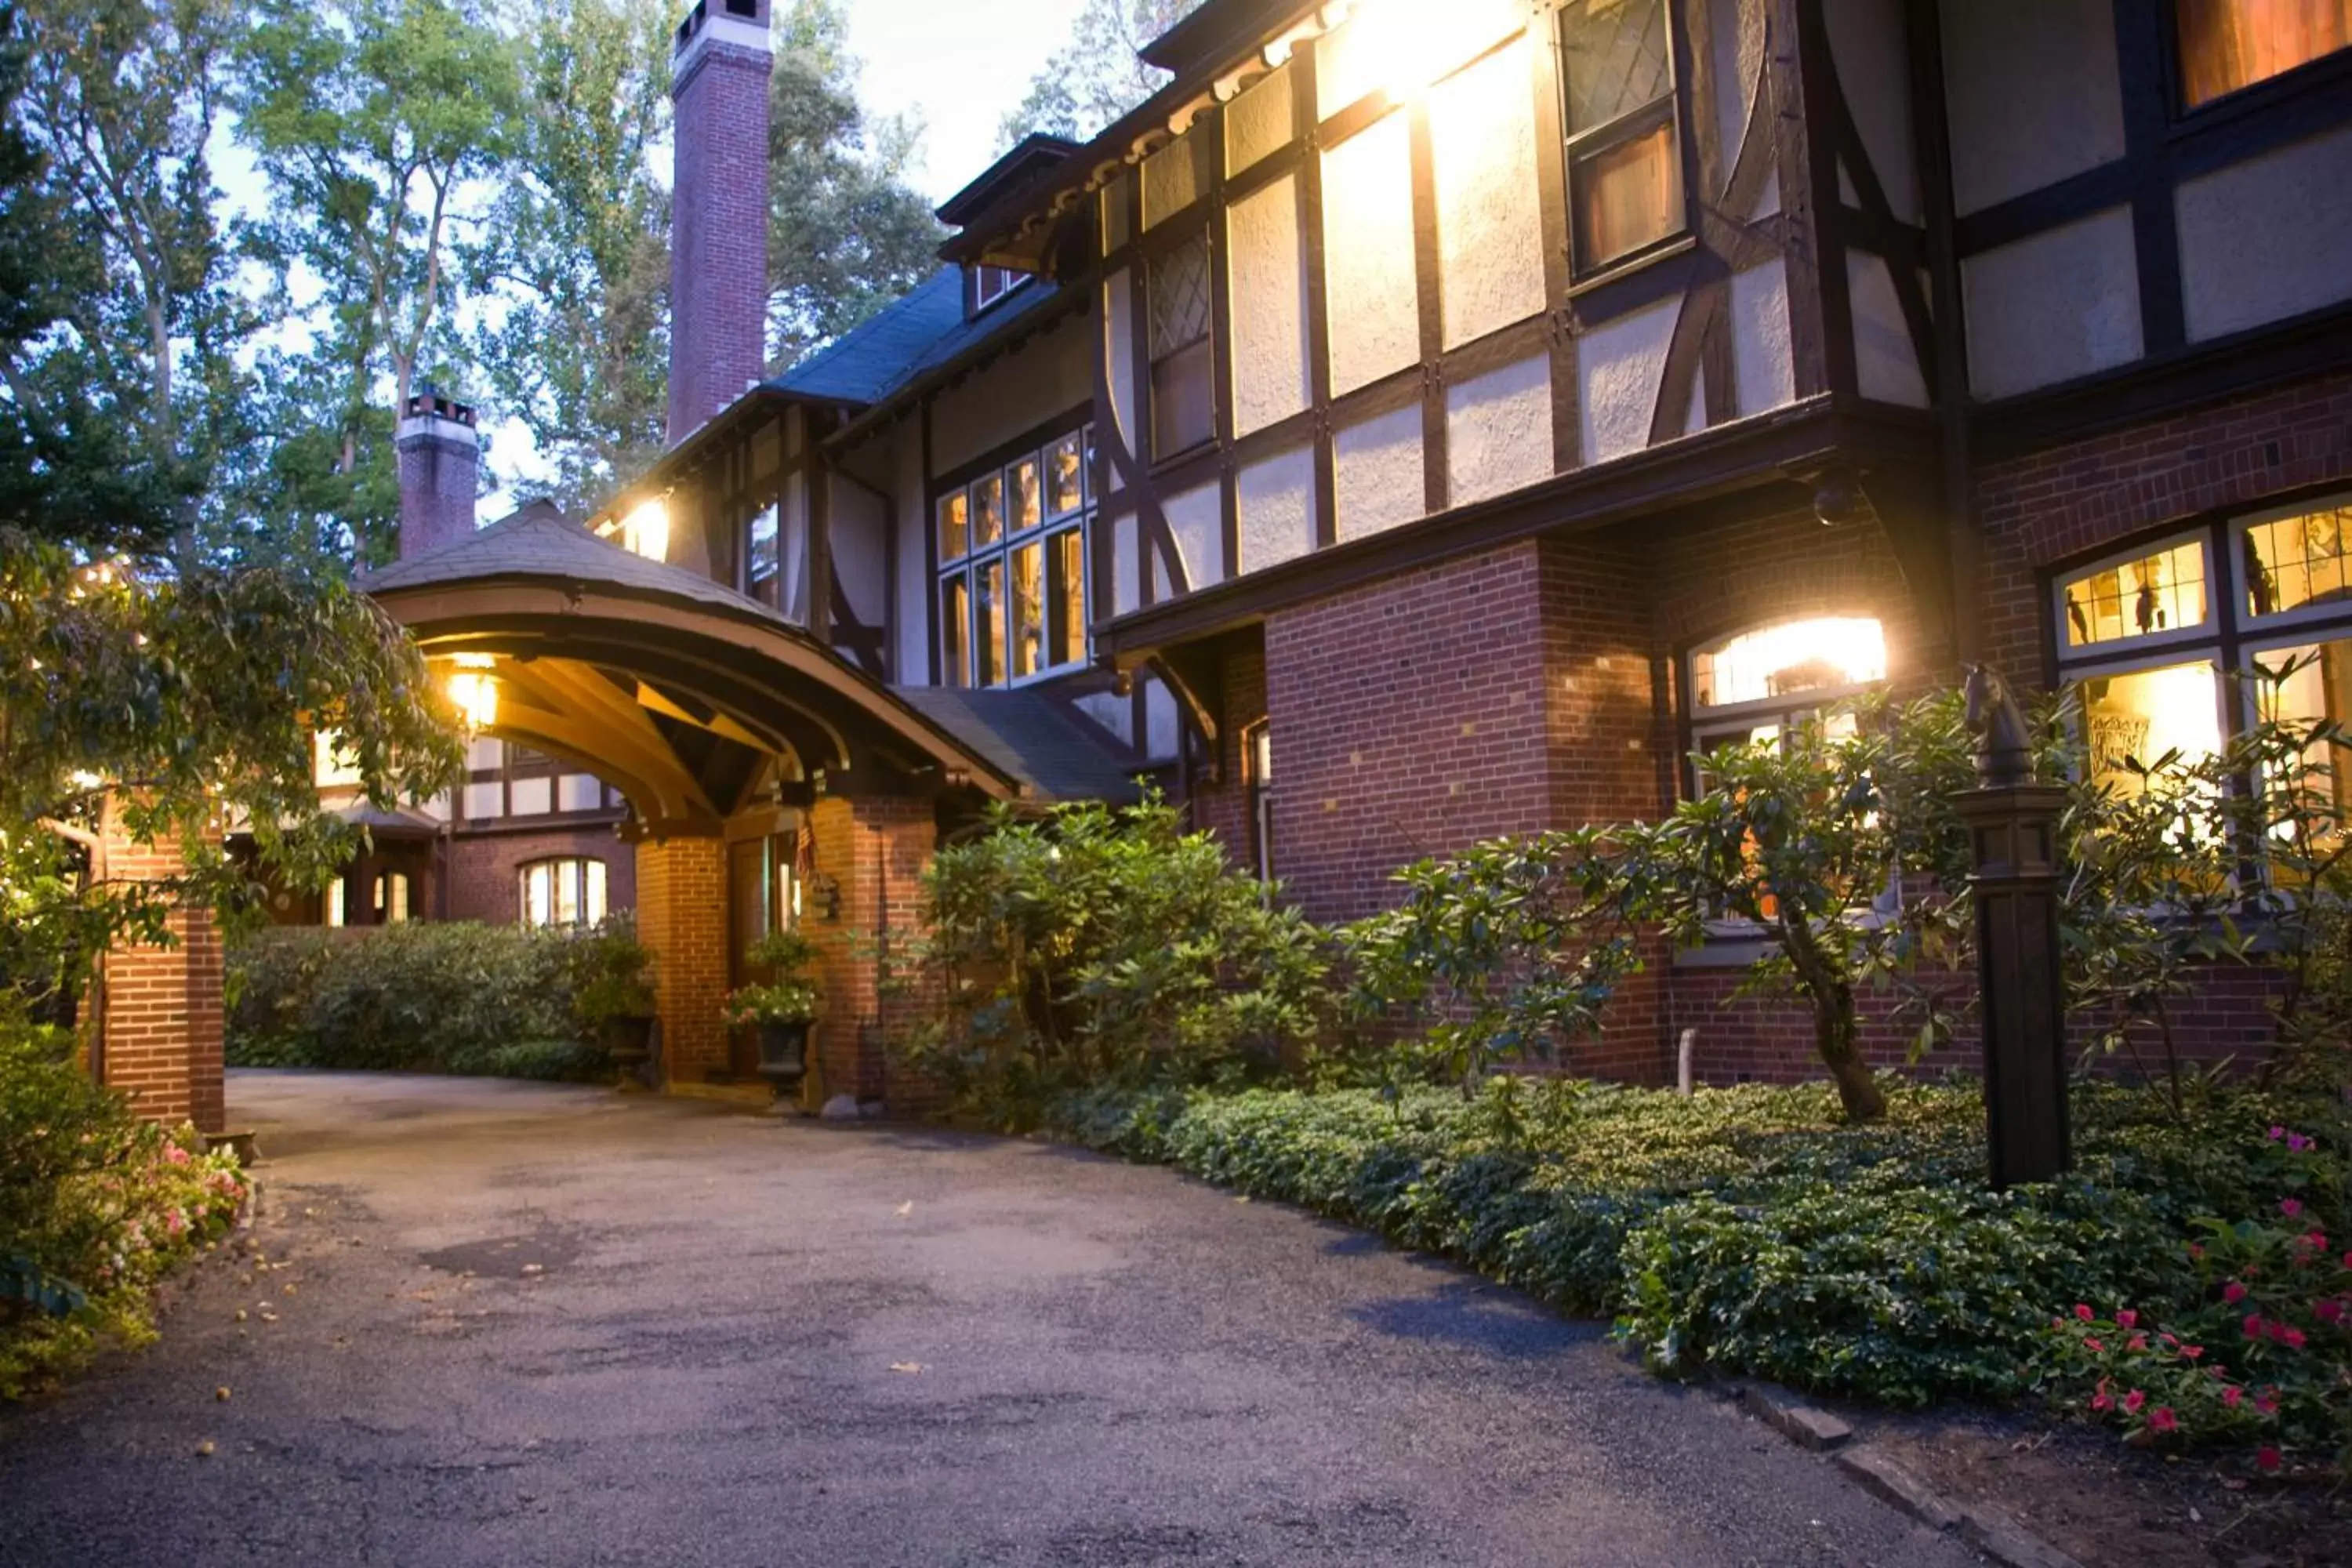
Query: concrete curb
(2001,1538)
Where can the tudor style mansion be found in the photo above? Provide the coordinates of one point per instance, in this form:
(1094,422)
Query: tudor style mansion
(1426,421)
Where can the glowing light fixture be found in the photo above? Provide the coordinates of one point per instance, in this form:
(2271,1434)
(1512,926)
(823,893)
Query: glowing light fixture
(1794,657)
(1401,45)
(645,530)
(475,690)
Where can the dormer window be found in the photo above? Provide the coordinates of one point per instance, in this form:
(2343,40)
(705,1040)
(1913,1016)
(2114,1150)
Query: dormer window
(989,284)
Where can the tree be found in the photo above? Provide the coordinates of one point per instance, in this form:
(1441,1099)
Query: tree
(846,233)
(173,658)
(1099,75)
(369,120)
(576,247)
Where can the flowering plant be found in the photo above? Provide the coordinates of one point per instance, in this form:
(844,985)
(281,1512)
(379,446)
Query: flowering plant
(2262,1354)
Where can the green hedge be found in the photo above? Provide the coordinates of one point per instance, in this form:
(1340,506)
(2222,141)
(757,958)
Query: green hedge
(1749,1230)
(449,996)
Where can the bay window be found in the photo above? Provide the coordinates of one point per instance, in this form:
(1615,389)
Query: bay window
(1013,565)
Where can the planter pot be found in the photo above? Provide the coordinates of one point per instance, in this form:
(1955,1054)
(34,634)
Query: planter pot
(628,1041)
(783,1052)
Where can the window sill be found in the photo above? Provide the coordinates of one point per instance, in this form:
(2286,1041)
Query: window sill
(1625,266)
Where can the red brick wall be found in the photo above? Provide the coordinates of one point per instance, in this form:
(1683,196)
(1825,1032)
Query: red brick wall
(1222,808)
(681,889)
(876,851)
(718,229)
(160,1039)
(2077,497)
(483,881)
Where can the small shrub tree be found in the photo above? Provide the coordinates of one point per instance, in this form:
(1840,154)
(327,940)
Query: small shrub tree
(1098,945)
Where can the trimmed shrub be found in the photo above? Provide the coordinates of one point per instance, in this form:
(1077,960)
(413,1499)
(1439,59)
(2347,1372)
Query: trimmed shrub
(440,998)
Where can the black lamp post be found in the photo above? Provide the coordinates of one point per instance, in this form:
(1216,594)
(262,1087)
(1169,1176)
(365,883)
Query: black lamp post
(2012,825)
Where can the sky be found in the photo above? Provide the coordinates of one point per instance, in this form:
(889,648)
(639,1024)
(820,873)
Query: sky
(958,65)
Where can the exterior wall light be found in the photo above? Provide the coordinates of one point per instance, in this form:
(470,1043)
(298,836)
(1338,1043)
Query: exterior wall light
(645,530)
(475,690)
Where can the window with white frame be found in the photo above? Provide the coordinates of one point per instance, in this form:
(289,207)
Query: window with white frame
(1624,159)
(1754,685)
(1013,565)
(991,283)
(568,890)
(391,898)
(2146,635)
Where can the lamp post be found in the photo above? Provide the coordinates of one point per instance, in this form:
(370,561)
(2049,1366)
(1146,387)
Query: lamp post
(2012,827)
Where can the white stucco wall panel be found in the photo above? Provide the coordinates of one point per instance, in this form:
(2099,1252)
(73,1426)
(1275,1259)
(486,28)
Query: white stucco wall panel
(1378,472)
(1118,316)
(2267,238)
(1171,180)
(1874,67)
(1489,224)
(1268,277)
(2054,306)
(1763,365)
(2033,93)
(1367,254)
(1126,571)
(1498,431)
(1735,32)
(1887,365)
(1047,376)
(1618,367)
(1160,729)
(1114,714)
(1196,521)
(1275,501)
(1258,122)
(860,556)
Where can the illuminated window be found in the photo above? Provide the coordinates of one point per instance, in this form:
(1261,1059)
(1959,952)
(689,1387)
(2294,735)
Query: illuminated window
(1257,764)
(567,892)
(1752,687)
(1013,559)
(645,530)
(2144,715)
(331,904)
(392,898)
(2226,44)
(2314,687)
(2295,561)
(1624,159)
(2148,595)
(1183,405)
(763,561)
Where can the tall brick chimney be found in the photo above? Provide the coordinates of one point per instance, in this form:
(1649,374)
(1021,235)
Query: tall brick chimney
(718,209)
(440,459)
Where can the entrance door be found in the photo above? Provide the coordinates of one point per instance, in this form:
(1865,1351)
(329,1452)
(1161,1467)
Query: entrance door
(759,900)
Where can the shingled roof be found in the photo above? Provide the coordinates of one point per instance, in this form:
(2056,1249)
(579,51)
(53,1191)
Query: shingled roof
(921,330)
(1037,739)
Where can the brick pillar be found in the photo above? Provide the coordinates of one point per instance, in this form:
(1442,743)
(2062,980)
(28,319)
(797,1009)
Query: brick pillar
(160,1015)
(719,211)
(682,919)
(874,850)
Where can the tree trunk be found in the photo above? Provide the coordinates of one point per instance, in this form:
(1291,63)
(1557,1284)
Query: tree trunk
(1834,1037)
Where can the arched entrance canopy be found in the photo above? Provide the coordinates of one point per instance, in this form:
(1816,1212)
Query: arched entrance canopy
(683,694)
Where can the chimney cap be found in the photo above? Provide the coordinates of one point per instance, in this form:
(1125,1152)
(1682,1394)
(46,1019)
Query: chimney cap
(428,402)
(703,13)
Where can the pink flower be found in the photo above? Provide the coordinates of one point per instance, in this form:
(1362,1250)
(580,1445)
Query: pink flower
(2329,1311)
(2190,1353)
(2267,1402)
(2132,1401)
(2290,1207)
(2231,1395)
(2084,1313)
(2102,1400)
(2277,1133)
(175,1154)
(2196,1253)
(2292,1339)
(2126,1317)
(2234,1292)
(2161,1419)
(2138,1342)
(2254,1325)
(2094,1346)
(2267,1458)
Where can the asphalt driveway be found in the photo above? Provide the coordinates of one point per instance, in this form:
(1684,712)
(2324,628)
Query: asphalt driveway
(515,1324)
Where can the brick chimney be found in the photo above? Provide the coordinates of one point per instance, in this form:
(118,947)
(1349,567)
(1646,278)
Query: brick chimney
(718,209)
(440,458)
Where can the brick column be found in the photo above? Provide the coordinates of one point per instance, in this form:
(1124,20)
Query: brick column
(874,850)
(682,919)
(159,1014)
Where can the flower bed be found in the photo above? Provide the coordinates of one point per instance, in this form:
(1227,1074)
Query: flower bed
(95,1208)
(1748,1230)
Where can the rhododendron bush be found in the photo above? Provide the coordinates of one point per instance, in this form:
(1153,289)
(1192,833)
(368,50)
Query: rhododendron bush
(95,1207)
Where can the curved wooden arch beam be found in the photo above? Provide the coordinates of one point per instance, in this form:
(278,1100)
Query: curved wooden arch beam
(624,748)
(593,624)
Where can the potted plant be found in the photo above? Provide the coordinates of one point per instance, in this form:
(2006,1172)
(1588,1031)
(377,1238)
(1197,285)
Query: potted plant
(612,992)
(783,1008)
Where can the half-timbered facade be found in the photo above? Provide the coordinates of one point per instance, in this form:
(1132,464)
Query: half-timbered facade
(1420,422)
